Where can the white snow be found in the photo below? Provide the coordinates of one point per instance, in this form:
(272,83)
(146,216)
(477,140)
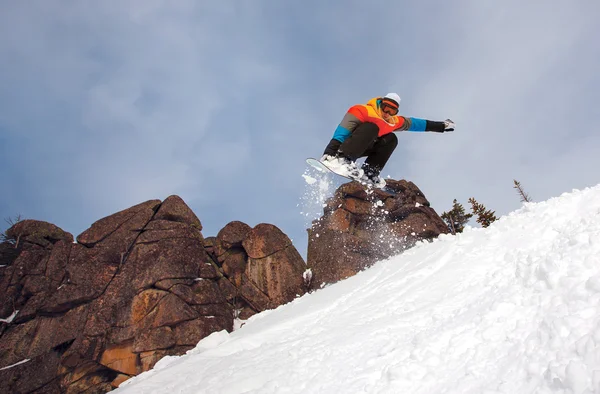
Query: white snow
(15,364)
(309,179)
(514,308)
(312,201)
(307,275)
(10,318)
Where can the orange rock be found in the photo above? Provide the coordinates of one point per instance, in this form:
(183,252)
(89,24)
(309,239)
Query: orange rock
(145,302)
(149,359)
(120,358)
(341,220)
(119,379)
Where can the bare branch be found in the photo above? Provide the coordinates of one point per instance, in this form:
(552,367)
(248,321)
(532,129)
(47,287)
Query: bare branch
(524,196)
(11,239)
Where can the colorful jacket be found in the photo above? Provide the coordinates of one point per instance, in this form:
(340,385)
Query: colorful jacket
(371,112)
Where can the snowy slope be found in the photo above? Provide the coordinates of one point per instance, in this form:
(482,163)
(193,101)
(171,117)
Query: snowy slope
(514,308)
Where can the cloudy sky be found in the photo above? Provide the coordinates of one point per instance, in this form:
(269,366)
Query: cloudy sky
(105,104)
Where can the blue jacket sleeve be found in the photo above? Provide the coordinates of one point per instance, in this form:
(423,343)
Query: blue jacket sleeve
(341,133)
(417,124)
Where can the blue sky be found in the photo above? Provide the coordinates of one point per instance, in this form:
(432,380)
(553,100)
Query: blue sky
(107,104)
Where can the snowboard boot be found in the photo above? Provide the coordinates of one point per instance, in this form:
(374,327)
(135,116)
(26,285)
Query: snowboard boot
(343,166)
(371,176)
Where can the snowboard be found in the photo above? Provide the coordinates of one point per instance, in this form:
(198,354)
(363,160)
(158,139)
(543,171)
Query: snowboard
(323,168)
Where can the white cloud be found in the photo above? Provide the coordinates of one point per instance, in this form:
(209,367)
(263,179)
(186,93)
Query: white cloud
(141,99)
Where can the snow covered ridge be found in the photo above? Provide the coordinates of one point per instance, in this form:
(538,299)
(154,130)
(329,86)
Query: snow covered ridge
(514,308)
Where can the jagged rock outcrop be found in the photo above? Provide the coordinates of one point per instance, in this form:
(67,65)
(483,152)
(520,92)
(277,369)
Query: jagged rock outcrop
(361,226)
(261,268)
(37,233)
(138,285)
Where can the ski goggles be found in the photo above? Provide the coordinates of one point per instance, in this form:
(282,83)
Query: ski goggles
(389,109)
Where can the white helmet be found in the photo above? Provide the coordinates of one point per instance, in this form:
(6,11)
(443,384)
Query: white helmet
(392,101)
(394,97)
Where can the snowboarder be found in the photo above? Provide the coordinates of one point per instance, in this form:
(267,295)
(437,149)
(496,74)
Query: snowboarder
(367,130)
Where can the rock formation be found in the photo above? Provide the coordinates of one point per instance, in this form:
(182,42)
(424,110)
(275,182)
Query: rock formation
(144,283)
(138,285)
(261,268)
(361,226)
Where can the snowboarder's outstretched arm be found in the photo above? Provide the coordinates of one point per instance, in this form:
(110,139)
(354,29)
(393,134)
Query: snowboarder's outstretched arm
(416,124)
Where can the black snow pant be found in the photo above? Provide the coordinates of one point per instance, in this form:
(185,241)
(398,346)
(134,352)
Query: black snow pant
(365,142)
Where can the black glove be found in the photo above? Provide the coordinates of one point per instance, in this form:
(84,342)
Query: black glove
(439,127)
